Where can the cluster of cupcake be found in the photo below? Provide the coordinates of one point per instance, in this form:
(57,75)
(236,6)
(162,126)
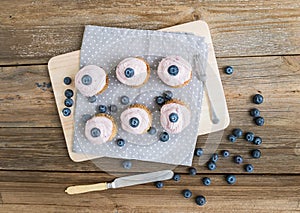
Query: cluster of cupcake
(174,71)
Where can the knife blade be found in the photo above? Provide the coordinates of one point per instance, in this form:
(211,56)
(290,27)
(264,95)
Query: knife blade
(122,182)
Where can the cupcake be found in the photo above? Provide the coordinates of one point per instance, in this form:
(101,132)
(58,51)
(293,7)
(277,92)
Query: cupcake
(91,80)
(175,71)
(133,72)
(137,119)
(175,116)
(100,129)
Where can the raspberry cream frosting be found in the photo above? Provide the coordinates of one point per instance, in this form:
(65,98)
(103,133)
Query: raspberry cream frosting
(183,117)
(178,79)
(91,80)
(142,114)
(105,126)
(139,75)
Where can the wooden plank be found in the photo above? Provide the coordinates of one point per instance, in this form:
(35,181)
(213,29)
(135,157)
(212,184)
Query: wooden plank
(33,32)
(36,191)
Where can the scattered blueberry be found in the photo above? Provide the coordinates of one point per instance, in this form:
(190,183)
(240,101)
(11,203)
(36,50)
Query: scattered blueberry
(257,140)
(237,132)
(67,80)
(113,108)
(92,99)
(231,179)
(69,93)
(173,70)
(102,108)
(127,164)
(225,153)
(176,177)
(238,159)
(255,153)
(134,122)
(86,80)
(198,152)
(255,112)
(68,102)
(124,100)
(192,171)
(168,95)
(159,184)
(164,136)
(160,100)
(228,70)
(95,132)
(120,142)
(86,117)
(211,165)
(187,193)
(258,99)
(214,158)
(249,136)
(206,181)
(129,72)
(259,121)
(200,200)
(66,112)
(173,117)
(152,131)
(249,168)
(232,138)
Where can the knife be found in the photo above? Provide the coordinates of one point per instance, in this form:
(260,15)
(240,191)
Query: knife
(122,182)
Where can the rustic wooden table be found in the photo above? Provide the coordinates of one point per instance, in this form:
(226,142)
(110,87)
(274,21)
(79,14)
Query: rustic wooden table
(260,39)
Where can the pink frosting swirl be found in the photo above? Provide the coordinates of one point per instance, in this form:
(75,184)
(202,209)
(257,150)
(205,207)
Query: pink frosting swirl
(141,114)
(184,117)
(183,76)
(140,68)
(104,124)
(98,83)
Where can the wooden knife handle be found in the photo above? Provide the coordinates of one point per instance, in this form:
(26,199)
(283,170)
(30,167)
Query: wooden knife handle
(86,188)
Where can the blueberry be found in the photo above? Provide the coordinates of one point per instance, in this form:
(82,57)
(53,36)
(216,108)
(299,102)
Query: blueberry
(159,184)
(120,142)
(92,99)
(129,72)
(228,70)
(192,171)
(198,152)
(95,132)
(187,193)
(164,136)
(173,70)
(225,153)
(259,121)
(69,93)
(68,102)
(86,80)
(214,158)
(168,95)
(66,112)
(200,200)
(249,168)
(258,99)
(86,117)
(67,80)
(176,177)
(113,108)
(124,100)
(211,165)
(254,112)
(206,181)
(152,131)
(238,159)
(231,179)
(102,108)
(249,136)
(237,132)
(173,117)
(232,138)
(134,122)
(160,100)
(127,164)
(255,153)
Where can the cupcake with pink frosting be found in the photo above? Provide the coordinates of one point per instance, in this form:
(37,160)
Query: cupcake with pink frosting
(175,71)
(175,116)
(91,80)
(133,72)
(137,119)
(100,129)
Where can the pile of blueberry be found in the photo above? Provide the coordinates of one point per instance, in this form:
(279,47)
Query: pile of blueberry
(68,101)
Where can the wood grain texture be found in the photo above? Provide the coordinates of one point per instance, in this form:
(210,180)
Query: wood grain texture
(34,31)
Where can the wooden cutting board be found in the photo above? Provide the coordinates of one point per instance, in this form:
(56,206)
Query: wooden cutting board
(68,65)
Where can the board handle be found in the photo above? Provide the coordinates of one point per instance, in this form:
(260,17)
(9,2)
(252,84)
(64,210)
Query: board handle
(86,188)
